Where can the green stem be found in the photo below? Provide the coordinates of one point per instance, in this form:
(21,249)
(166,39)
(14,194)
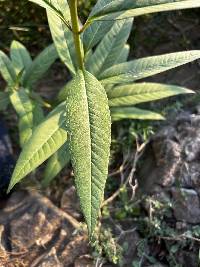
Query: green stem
(75,30)
(85,26)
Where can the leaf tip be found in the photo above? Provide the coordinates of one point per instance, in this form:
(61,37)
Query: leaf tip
(10,187)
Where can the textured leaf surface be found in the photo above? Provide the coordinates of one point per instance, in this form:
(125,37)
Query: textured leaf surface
(134,113)
(128,95)
(56,163)
(64,92)
(62,36)
(40,65)
(89,126)
(6,69)
(20,57)
(113,9)
(46,139)
(110,47)
(145,67)
(4,100)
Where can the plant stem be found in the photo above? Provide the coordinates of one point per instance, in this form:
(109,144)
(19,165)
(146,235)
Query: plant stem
(76,34)
(85,26)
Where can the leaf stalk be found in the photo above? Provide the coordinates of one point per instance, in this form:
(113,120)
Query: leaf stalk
(76,34)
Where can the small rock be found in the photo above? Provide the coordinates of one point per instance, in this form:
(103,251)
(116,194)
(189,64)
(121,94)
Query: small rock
(190,176)
(186,205)
(192,148)
(160,163)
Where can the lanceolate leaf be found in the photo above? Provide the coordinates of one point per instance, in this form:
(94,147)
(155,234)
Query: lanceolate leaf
(20,57)
(6,69)
(64,92)
(120,113)
(40,65)
(62,36)
(127,95)
(98,7)
(113,9)
(110,47)
(89,126)
(24,108)
(38,114)
(50,5)
(123,55)
(46,139)
(95,32)
(56,163)
(4,100)
(145,67)
(46,4)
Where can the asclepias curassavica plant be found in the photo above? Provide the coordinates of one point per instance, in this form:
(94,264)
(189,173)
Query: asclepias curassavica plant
(103,88)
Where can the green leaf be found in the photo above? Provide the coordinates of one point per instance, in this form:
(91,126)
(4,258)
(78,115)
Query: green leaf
(112,9)
(62,36)
(123,55)
(20,57)
(6,69)
(145,67)
(110,47)
(120,113)
(55,164)
(95,32)
(24,108)
(47,4)
(89,126)
(40,65)
(4,100)
(98,7)
(46,139)
(64,92)
(38,114)
(50,6)
(132,94)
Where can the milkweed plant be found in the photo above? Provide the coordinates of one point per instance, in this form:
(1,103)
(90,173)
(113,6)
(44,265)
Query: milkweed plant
(102,89)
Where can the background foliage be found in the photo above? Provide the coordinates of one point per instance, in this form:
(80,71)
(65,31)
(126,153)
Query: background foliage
(19,18)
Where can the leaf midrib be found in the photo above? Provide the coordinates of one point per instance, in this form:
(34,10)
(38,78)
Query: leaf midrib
(85,87)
